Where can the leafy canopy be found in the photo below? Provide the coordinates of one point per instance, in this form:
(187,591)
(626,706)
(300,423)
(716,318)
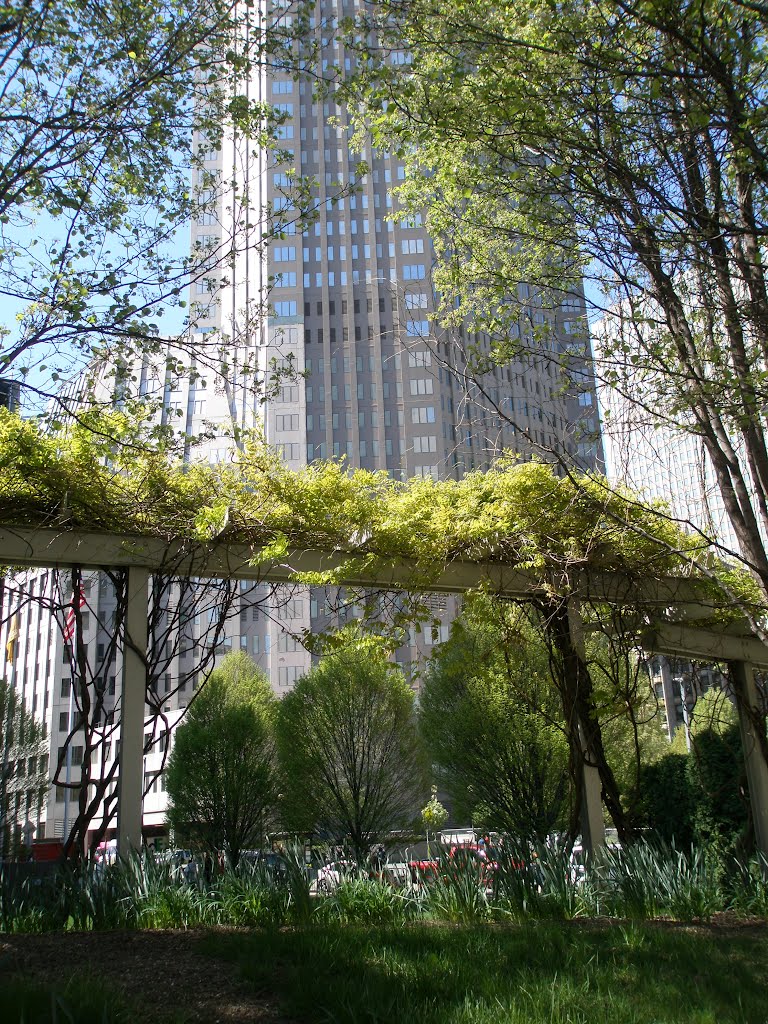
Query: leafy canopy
(492,722)
(349,747)
(108,472)
(221,776)
(108,111)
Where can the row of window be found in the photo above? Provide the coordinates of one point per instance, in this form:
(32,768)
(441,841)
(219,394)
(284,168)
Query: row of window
(318,392)
(356,306)
(373,416)
(286,253)
(333,279)
(417,358)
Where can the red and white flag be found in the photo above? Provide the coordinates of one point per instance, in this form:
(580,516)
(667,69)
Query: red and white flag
(78,600)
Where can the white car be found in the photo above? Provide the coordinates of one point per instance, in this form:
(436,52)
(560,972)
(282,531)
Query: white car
(330,876)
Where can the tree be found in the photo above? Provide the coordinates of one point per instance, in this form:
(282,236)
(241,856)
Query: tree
(23,768)
(700,796)
(107,110)
(349,749)
(492,723)
(433,815)
(623,140)
(630,710)
(221,776)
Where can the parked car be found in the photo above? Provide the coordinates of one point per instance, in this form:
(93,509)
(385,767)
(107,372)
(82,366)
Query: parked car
(462,856)
(330,876)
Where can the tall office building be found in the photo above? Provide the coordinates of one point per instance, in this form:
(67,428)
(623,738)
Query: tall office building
(378,382)
(368,377)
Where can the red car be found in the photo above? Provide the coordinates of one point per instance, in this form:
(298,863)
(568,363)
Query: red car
(459,857)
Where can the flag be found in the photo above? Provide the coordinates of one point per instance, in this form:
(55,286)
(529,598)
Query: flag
(78,600)
(13,634)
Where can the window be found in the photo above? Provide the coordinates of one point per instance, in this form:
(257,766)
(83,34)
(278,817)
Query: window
(416,300)
(426,443)
(423,414)
(435,635)
(66,685)
(585,398)
(291,609)
(208,216)
(286,279)
(289,421)
(284,253)
(421,386)
(417,328)
(412,245)
(288,674)
(285,309)
(288,644)
(414,272)
(419,358)
(288,451)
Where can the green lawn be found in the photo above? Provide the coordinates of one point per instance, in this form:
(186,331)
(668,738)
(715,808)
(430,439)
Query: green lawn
(558,973)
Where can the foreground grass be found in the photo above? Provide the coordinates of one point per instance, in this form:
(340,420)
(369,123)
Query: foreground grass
(81,1000)
(540,972)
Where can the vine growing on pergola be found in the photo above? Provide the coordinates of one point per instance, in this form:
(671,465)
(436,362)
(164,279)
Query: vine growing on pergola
(583,553)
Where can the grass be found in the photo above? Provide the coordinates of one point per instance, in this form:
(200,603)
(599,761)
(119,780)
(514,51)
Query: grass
(82,1000)
(631,973)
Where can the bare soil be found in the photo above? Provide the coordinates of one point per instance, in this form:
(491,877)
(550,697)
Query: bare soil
(162,973)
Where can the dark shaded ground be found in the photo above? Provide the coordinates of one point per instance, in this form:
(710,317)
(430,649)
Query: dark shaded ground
(167,976)
(161,972)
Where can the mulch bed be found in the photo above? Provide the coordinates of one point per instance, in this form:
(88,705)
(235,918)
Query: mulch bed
(162,973)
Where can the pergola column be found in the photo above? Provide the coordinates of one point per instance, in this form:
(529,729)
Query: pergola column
(592,821)
(743,675)
(131,779)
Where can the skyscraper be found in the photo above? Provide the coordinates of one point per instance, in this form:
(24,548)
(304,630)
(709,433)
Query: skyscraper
(378,383)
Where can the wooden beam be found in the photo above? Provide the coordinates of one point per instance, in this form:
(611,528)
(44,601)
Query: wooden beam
(134,694)
(59,548)
(704,645)
(748,705)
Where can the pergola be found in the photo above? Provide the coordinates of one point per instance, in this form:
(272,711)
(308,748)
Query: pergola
(677,602)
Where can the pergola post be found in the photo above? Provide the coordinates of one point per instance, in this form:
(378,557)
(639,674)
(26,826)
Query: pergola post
(131,778)
(592,822)
(743,675)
